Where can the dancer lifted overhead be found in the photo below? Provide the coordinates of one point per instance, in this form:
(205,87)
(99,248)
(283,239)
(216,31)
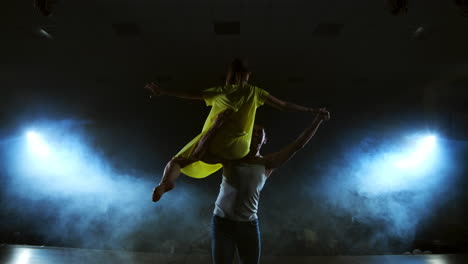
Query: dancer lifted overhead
(227,131)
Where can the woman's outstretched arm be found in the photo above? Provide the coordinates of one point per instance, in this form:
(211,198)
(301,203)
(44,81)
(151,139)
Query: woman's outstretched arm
(286,106)
(155,90)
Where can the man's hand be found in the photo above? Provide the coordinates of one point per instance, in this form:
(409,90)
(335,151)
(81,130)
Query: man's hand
(154,89)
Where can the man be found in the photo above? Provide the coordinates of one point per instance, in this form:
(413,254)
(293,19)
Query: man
(235,222)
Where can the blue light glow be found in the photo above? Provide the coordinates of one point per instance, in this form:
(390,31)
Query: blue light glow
(57,173)
(23,257)
(390,183)
(37,145)
(399,166)
(418,153)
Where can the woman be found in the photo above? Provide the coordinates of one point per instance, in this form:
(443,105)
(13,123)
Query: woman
(227,131)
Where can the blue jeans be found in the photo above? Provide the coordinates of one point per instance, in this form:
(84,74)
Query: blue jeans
(226,235)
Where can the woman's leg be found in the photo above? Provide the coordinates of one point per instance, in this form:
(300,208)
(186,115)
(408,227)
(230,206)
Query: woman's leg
(205,140)
(172,170)
(171,173)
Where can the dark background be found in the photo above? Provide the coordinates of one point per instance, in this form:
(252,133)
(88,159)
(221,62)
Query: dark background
(379,80)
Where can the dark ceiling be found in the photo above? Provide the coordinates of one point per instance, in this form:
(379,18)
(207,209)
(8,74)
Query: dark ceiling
(99,53)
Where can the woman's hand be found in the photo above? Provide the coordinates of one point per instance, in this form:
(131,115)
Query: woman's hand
(323,114)
(154,89)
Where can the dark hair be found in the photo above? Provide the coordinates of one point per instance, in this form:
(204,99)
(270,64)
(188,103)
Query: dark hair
(237,71)
(463,5)
(398,7)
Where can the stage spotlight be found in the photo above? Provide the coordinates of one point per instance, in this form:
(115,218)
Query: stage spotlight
(37,145)
(401,166)
(418,153)
(427,143)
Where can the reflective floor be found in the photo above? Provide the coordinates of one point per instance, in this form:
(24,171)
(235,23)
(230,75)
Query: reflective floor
(16,254)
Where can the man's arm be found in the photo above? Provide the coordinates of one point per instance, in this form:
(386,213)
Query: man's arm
(155,90)
(286,106)
(277,159)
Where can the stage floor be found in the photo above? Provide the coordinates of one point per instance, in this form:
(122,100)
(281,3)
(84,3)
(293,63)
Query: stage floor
(17,254)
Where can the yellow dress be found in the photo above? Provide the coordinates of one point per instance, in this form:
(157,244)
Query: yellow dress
(232,141)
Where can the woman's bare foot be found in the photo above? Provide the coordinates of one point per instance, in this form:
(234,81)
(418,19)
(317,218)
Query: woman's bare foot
(159,190)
